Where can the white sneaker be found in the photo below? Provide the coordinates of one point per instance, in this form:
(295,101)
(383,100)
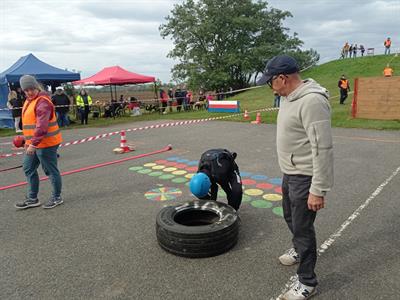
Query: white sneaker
(300,291)
(289,258)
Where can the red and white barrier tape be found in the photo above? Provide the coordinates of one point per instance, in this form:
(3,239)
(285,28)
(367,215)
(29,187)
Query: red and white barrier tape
(100,165)
(155,126)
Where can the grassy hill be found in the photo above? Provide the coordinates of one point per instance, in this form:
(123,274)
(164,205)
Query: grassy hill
(328,75)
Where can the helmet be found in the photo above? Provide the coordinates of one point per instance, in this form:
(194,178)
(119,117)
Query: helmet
(19,141)
(200,185)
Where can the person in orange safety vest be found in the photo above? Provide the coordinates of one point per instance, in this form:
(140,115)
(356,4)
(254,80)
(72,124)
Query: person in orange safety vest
(344,88)
(387,43)
(42,139)
(388,71)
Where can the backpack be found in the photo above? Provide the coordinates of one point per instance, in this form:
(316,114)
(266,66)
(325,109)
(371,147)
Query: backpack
(210,160)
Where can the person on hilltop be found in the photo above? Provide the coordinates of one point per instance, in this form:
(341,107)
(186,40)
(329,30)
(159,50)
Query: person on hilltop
(346,49)
(362,50)
(355,51)
(387,43)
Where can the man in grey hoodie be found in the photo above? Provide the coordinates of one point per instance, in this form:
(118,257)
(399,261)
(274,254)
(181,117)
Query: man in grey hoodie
(305,154)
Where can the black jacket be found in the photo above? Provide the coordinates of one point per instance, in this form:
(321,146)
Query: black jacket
(61,99)
(17,104)
(217,164)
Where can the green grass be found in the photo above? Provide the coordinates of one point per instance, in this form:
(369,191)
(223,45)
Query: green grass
(326,74)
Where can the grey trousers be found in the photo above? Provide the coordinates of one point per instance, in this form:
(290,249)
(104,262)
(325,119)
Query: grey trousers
(300,220)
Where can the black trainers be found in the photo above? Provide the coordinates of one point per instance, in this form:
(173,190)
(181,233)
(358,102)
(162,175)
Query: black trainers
(28,203)
(53,202)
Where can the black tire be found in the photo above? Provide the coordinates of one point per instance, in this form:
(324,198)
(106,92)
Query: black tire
(197,229)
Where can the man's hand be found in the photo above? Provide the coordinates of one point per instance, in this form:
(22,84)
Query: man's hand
(30,150)
(315,202)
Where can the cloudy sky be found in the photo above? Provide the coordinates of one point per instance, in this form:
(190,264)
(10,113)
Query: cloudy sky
(88,35)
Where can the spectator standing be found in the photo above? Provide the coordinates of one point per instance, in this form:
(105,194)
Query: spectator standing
(305,155)
(62,103)
(277,99)
(344,88)
(209,98)
(21,94)
(346,49)
(42,139)
(355,51)
(342,53)
(170,99)
(387,43)
(189,99)
(164,101)
(362,49)
(84,101)
(185,99)
(350,50)
(179,96)
(15,103)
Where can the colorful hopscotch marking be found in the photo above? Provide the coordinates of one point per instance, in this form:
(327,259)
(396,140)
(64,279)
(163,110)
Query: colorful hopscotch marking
(259,190)
(163,194)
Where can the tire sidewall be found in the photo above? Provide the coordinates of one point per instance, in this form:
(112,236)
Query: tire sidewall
(227,218)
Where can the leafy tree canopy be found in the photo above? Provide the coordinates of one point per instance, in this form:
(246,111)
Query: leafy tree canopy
(226,43)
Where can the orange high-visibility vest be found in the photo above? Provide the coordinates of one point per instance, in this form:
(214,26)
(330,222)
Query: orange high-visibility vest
(388,43)
(344,84)
(388,72)
(53,136)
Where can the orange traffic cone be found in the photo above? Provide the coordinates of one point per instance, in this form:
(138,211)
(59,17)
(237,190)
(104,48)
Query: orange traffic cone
(246,115)
(258,119)
(123,147)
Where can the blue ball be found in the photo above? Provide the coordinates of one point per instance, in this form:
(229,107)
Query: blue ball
(200,185)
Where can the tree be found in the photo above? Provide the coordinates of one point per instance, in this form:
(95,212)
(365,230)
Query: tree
(226,43)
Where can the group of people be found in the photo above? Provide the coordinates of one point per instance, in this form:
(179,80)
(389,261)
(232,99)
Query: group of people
(184,99)
(62,103)
(349,51)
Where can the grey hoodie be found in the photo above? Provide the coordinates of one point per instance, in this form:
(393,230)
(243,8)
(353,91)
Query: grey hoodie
(304,138)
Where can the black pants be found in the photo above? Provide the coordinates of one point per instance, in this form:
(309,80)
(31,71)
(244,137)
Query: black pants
(84,114)
(179,103)
(163,106)
(300,220)
(343,95)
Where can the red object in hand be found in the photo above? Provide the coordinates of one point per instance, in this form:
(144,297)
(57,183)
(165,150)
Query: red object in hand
(19,141)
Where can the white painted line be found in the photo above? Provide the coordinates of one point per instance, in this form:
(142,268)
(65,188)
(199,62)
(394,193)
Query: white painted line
(338,233)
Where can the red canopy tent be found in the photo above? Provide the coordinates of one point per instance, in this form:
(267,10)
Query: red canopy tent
(114,76)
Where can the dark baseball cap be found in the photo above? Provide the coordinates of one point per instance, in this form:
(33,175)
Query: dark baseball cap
(281,64)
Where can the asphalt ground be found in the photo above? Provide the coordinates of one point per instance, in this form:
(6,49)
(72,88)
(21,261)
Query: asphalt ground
(101,243)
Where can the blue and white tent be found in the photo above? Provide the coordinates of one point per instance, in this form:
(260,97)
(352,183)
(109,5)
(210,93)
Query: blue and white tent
(30,65)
